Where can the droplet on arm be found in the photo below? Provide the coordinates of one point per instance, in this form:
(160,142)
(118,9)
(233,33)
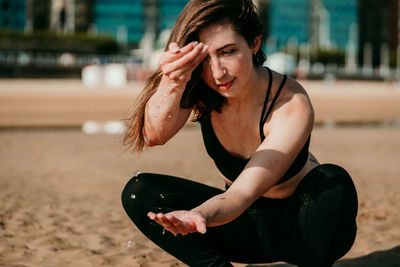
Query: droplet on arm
(173,86)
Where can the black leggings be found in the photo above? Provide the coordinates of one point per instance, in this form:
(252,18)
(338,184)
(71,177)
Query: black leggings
(313,227)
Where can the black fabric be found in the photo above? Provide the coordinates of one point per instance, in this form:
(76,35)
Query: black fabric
(314,227)
(231,166)
(265,115)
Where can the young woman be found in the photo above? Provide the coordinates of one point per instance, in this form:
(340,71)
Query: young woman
(280,204)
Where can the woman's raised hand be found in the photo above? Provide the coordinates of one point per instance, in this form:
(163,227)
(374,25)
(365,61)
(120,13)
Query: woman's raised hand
(180,222)
(178,63)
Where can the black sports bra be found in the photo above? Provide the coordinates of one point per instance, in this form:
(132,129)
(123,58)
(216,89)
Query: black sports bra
(231,166)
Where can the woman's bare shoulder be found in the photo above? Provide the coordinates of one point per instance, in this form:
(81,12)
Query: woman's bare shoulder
(292,92)
(291,85)
(293,101)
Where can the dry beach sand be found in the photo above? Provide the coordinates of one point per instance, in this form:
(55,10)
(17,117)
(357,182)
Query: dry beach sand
(60,188)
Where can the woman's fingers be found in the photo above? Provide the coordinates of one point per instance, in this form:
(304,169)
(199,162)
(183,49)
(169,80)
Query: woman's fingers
(186,64)
(151,215)
(184,227)
(174,52)
(173,48)
(182,223)
(189,64)
(163,221)
(194,224)
(190,58)
(201,227)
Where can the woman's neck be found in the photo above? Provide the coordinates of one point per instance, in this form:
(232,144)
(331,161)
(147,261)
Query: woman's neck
(252,94)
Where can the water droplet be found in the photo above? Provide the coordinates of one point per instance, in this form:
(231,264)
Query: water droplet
(133,196)
(173,86)
(163,231)
(162,196)
(136,173)
(128,244)
(169,116)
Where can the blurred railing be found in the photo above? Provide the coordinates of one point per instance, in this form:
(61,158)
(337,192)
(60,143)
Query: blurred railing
(51,64)
(18,58)
(15,64)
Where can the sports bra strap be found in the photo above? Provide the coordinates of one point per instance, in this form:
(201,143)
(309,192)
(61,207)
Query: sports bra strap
(265,104)
(264,118)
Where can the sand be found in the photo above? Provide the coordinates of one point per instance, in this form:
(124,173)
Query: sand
(57,103)
(60,190)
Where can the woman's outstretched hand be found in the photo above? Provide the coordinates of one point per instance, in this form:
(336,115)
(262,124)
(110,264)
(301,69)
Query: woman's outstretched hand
(178,63)
(180,222)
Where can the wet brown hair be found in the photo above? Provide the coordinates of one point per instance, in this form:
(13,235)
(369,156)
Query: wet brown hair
(197,15)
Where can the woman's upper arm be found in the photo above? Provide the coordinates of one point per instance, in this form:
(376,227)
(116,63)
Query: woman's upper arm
(290,125)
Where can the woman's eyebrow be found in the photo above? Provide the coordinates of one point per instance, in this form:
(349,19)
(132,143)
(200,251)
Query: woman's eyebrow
(225,46)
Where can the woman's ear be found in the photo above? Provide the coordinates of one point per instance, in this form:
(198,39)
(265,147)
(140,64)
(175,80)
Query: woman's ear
(256,45)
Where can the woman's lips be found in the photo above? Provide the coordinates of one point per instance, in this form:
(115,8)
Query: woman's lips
(225,86)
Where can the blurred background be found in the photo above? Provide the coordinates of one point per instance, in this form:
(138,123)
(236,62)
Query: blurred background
(70,72)
(72,46)
(314,39)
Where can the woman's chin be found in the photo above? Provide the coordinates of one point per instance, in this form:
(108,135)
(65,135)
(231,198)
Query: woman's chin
(228,93)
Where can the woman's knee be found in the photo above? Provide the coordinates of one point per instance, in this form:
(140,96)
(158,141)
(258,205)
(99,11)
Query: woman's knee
(333,189)
(328,215)
(343,191)
(132,188)
(137,193)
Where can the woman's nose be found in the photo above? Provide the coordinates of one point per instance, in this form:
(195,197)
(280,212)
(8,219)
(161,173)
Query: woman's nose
(218,70)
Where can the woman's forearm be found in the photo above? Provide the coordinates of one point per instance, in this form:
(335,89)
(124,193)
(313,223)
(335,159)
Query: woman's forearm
(251,184)
(163,115)
(223,208)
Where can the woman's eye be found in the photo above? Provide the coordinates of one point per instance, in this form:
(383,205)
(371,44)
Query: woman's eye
(228,52)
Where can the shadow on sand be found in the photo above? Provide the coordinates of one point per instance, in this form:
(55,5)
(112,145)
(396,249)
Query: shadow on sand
(382,258)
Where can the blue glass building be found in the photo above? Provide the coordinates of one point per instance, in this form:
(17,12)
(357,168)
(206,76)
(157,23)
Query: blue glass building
(12,14)
(169,11)
(109,15)
(295,19)
(289,18)
(342,14)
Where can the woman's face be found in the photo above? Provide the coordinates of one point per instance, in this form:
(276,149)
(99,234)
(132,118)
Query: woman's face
(228,68)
